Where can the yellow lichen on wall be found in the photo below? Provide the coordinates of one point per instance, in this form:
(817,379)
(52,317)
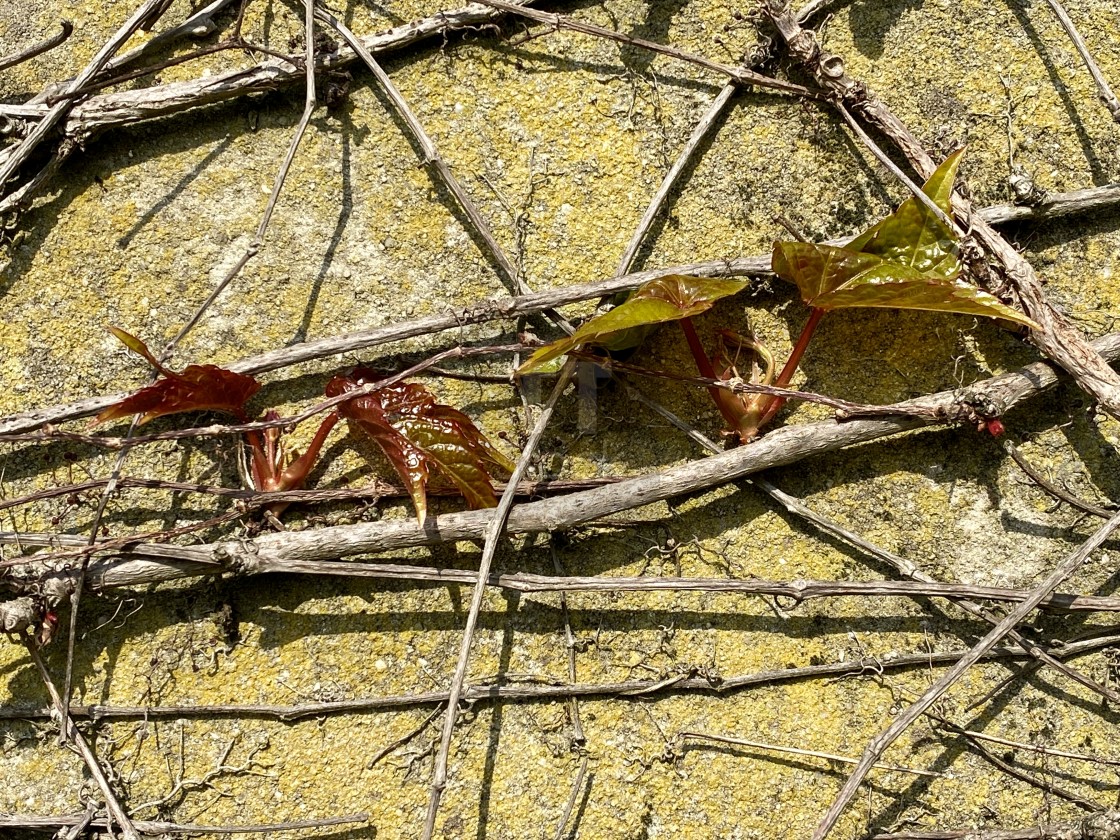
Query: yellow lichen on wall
(561,140)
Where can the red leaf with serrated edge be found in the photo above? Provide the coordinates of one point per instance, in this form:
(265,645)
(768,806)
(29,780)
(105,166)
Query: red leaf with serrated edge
(409,461)
(195,388)
(420,436)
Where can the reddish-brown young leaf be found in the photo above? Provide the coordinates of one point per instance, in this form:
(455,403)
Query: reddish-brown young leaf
(195,388)
(420,436)
(273,466)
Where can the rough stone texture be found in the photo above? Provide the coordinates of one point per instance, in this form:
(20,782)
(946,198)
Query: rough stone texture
(562,139)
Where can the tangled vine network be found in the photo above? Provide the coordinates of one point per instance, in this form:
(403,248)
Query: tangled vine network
(405,517)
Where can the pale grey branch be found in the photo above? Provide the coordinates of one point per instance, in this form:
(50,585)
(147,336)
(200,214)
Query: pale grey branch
(782,446)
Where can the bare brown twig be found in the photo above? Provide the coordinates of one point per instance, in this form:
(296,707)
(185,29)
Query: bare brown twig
(1050,487)
(759,745)
(797,590)
(14,158)
(738,386)
(257,242)
(121,108)
(154,7)
(1042,656)
(41,47)
(686,682)
(404,739)
(578,736)
(1031,779)
(375,488)
(903,565)
(494,529)
(912,571)
(1021,745)
(699,133)
(144,16)
(198,23)
(739,74)
(577,784)
(36,821)
(976,742)
(1103,826)
(1104,91)
(83,567)
(129,440)
(71,734)
(431,156)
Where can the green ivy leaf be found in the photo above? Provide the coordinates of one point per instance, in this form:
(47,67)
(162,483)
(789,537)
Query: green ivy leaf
(659,301)
(906,261)
(864,280)
(913,235)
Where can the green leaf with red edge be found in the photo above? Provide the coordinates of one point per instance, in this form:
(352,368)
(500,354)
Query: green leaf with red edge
(659,301)
(420,436)
(913,235)
(478,442)
(836,278)
(906,261)
(444,445)
(195,388)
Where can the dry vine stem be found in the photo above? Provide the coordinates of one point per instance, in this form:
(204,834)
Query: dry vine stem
(685,681)
(889,735)
(105,111)
(513,277)
(143,17)
(796,591)
(739,74)
(1057,338)
(257,242)
(70,733)
(122,108)
(976,744)
(1056,206)
(1041,654)
(1102,826)
(907,568)
(35,821)
(480,580)
(146,563)
(494,530)
(910,570)
(431,156)
(13,158)
(759,745)
(38,49)
(1105,92)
